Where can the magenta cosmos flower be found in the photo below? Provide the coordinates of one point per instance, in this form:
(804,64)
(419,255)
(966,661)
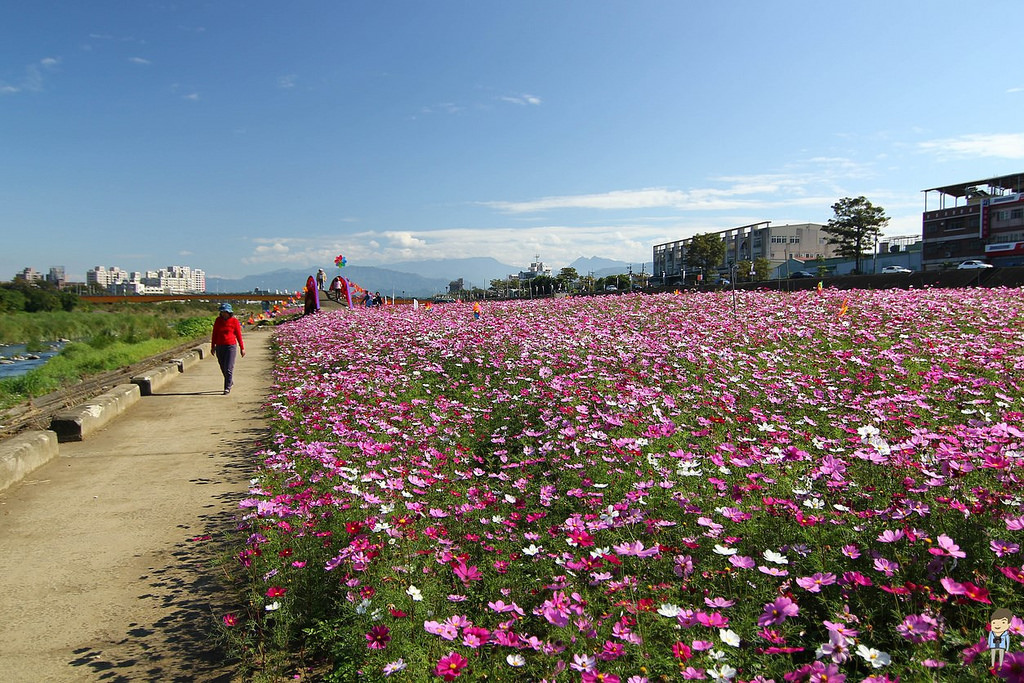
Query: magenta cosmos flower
(378,637)
(778,611)
(450,666)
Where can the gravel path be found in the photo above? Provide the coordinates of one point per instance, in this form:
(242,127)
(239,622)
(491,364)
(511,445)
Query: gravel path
(107,552)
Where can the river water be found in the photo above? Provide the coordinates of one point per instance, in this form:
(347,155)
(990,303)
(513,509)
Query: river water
(20,367)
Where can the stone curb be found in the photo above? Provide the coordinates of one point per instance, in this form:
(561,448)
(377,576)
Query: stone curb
(76,423)
(21,454)
(188,359)
(156,378)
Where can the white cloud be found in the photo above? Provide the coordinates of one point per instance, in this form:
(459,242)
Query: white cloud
(522,100)
(32,80)
(747,194)
(287,82)
(194,97)
(139,60)
(1011,90)
(1000,145)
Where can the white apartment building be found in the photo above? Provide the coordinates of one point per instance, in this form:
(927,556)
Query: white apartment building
(169,280)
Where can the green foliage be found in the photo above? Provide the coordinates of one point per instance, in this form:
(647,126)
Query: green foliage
(705,251)
(77,360)
(191,328)
(856,225)
(32,297)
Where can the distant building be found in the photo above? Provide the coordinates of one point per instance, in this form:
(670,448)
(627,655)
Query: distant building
(980,219)
(169,280)
(537,268)
(56,277)
(29,275)
(456,286)
(777,243)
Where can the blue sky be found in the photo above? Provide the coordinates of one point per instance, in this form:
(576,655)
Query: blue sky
(245,136)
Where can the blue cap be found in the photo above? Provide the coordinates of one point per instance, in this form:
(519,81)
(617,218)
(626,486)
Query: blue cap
(226,307)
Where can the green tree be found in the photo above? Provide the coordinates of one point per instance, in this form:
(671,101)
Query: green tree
(705,252)
(566,277)
(745,271)
(856,225)
(822,268)
(762,268)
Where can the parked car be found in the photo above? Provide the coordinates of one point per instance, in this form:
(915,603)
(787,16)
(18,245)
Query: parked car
(800,274)
(973,264)
(611,288)
(896,269)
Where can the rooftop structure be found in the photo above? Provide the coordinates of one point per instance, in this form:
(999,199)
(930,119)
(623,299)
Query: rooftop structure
(977,219)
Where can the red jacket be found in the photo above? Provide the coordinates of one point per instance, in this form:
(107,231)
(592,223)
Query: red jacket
(227,332)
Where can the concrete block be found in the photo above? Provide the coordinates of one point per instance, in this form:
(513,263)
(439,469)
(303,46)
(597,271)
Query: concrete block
(21,454)
(151,380)
(187,360)
(74,424)
(201,350)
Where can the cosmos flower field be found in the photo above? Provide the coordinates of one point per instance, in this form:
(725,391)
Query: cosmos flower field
(791,486)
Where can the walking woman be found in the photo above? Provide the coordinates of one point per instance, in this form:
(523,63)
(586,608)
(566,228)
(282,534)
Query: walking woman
(227,332)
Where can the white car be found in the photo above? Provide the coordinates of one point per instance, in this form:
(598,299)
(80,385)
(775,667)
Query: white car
(896,269)
(973,264)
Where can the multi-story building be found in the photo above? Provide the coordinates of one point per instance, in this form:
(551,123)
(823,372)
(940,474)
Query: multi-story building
(169,280)
(29,274)
(980,219)
(777,243)
(56,276)
(537,268)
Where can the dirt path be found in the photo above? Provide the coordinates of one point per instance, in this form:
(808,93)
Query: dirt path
(106,565)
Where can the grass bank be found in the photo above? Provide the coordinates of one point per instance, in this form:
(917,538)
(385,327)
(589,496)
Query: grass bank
(117,340)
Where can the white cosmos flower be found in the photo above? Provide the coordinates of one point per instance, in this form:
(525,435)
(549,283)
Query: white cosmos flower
(273,606)
(722,673)
(724,550)
(668,610)
(414,593)
(775,557)
(729,637)
(515,660)
(875,658)
(532,550)
(867,431)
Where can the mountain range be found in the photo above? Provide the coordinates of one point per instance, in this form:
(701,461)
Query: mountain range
(411,278)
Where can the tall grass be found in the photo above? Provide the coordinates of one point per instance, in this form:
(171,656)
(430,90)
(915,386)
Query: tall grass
(75,361)
(104,341)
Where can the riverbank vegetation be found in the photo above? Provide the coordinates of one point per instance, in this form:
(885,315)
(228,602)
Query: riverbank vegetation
(102,338)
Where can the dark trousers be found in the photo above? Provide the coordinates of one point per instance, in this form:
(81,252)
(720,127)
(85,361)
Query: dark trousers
(226,359)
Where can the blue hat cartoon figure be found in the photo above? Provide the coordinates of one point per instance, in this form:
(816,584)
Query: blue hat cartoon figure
(999,636)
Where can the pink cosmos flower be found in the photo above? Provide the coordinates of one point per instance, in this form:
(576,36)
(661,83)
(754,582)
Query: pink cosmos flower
(450,666)
(1013,667)
(814,583)
(742,562)
(1001,547)
(918,628)
(887,567)
(596,677)
(889,536)
(467,574)
(475,636)
(777,612)
(229,619)
(952,549)
(276,591)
